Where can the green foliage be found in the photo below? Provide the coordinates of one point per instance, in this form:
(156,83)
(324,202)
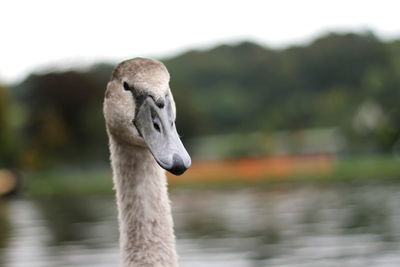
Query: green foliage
(8,123)
(246,87)
(64,120)
(349,81)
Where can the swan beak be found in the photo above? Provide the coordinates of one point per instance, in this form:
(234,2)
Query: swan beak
(156,125)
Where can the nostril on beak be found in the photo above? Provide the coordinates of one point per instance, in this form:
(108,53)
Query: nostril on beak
(178,166)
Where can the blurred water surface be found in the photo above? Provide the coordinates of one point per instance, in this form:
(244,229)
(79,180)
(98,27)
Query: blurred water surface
(283,225)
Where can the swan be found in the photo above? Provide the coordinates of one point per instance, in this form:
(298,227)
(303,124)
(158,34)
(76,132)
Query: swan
(139,112)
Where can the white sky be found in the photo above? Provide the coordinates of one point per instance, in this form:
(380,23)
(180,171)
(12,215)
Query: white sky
(47,34)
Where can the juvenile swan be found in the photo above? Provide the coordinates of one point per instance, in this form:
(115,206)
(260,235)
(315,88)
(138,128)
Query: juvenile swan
(139,111)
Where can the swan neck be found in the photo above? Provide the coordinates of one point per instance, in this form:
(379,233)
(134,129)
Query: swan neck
(144,212)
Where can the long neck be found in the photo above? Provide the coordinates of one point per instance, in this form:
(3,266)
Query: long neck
(144,212)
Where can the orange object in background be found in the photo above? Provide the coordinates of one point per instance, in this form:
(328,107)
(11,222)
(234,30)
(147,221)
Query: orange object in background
(256,168)
(8,182)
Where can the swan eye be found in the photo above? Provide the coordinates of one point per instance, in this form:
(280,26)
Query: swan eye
(160,104)
(126,87)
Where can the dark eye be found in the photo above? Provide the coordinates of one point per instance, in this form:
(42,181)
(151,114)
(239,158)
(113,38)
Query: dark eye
(160,104)
(126,86)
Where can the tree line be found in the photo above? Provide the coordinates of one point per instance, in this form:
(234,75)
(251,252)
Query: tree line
(348,80)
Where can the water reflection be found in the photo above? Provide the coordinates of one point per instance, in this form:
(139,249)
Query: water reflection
(72,219)
(309,225)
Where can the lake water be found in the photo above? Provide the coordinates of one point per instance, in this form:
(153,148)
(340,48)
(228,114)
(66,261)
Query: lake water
(322,225)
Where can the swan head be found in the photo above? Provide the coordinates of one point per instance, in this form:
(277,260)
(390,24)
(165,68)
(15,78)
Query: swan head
(139,109)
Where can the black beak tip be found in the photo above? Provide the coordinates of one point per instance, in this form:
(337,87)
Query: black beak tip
(178,166)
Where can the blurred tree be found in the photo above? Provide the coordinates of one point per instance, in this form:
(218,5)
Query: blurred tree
(64,116)
(246,87)
(8,139)
(338,80)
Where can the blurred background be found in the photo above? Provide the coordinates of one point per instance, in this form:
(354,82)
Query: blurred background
(290,110)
